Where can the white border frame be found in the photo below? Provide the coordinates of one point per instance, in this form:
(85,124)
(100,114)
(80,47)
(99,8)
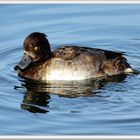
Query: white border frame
(69,137)
(69,2)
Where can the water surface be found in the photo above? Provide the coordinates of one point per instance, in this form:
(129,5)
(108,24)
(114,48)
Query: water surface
(96,107)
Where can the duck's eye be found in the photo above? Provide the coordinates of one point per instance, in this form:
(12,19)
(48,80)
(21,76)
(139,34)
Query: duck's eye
(36,48)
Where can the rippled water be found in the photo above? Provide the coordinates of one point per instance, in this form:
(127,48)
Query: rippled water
(96,107)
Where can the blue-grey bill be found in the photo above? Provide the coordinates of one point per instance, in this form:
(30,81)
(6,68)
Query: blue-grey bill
(24,63)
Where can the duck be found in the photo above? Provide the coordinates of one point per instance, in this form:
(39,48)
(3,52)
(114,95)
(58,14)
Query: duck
(67,62)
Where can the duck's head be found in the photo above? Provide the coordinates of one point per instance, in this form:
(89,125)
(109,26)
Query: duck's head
(36,50)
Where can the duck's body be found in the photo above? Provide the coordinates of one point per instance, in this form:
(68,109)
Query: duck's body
(75,63)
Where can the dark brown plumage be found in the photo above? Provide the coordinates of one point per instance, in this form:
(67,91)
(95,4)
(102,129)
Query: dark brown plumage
(68,62)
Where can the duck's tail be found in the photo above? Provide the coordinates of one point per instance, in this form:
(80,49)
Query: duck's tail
(124,66)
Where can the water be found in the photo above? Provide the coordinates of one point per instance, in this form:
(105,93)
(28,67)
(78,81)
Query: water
(83,108)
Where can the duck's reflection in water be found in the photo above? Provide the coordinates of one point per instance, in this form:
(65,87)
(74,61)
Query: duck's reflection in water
(37,95)
(35,101)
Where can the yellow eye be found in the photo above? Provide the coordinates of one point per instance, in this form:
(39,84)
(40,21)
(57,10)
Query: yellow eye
(36,48)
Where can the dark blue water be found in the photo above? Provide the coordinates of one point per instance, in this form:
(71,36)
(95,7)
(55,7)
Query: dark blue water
(85,108)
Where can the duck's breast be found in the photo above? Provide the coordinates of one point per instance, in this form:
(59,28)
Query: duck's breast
(84,66)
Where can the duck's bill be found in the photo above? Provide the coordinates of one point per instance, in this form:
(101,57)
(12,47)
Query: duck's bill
(24,63)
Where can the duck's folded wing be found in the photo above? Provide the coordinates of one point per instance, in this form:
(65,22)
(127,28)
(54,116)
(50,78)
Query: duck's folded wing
(108,54)
(69,52)
(66,52)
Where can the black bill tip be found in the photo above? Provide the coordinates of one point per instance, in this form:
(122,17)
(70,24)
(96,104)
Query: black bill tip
(16,68)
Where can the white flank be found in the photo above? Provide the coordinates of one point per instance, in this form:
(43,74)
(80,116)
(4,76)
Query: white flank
(66,75)
(128,70)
